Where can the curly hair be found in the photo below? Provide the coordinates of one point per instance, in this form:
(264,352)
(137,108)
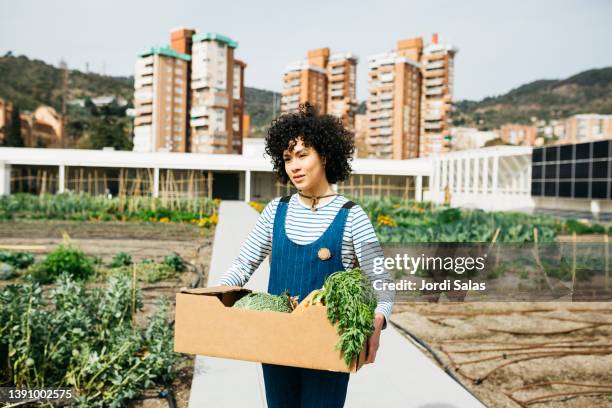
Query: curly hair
(325,133)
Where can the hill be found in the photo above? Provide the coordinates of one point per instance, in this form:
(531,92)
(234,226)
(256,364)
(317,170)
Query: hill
(587,92)
(29,83)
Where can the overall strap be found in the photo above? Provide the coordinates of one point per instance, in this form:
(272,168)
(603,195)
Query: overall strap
(285,199)
(348,205)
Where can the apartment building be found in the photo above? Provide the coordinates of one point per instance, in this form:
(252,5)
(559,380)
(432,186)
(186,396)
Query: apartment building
(42,128)
(436,103)
(306,81)
(393,106)
(341,88)
(217,101)
(410,100)
(6,110)
(160,100)
(518,135)
(189,96)
(361,135)
(326,81)
(587,127)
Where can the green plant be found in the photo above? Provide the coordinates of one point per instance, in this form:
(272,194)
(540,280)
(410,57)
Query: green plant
(155,272)
(175,262)
(350,302)
(265,301)
(20,260)
(65,258)
(85,339)
(121,259)
(579,227)
(82,207)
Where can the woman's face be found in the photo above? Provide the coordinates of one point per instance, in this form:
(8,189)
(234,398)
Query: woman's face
(304,166)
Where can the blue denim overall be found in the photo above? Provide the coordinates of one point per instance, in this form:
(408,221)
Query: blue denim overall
(298,269)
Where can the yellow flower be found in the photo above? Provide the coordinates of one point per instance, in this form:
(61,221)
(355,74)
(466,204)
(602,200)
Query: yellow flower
(164,219)
(386,220)
(257,206)
(214,218)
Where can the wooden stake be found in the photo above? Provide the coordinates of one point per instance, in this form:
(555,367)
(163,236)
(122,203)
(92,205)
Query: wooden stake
(573,260)
(606,261)
(537,258)
(361,186)
(133,292)
(210,184)
(81,181)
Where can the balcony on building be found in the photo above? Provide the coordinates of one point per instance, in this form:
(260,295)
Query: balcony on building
(146,109)
(199,122)
(384,131)
(434,91)
(145,70)
(385,96)
(433,116)
(386,77)
(434,65)
(143,95)
(143,120)
(143,81)
(200,83)
(433,125)
(337,93)
(291,84)
(434,82)
(434,73)
(198,111)
(217,100)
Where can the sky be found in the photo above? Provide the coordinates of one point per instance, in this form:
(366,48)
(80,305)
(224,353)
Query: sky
(502,44)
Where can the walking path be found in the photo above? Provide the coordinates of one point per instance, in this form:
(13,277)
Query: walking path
(402,375)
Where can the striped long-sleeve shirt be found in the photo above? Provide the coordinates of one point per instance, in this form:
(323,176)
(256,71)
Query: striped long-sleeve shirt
(303,227)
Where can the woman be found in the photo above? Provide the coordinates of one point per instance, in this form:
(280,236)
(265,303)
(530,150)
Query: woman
(310,235)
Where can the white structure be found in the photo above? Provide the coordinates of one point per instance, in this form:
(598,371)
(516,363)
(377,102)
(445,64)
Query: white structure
(464,138)
(492,178)
(255,170)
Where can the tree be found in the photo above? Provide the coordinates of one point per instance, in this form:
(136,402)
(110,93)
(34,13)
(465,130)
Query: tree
(110,132)
(13,130)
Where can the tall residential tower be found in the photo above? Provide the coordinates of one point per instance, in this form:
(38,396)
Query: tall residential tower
(437,100)
(189,96)
(325,81)
(394,96)
(410,100)
(160,100)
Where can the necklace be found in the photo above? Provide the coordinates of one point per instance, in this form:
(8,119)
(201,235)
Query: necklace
(315,199)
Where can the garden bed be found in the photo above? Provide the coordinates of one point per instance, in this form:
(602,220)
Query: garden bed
(571,341)
(148,240)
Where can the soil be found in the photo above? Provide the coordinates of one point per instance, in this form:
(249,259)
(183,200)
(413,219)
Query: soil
(140,240)
(556,331)
(448,328)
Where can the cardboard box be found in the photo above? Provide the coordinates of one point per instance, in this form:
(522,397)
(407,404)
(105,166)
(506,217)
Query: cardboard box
(207,324)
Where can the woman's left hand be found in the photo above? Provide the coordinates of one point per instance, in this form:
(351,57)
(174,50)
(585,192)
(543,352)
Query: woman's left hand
(374,339)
